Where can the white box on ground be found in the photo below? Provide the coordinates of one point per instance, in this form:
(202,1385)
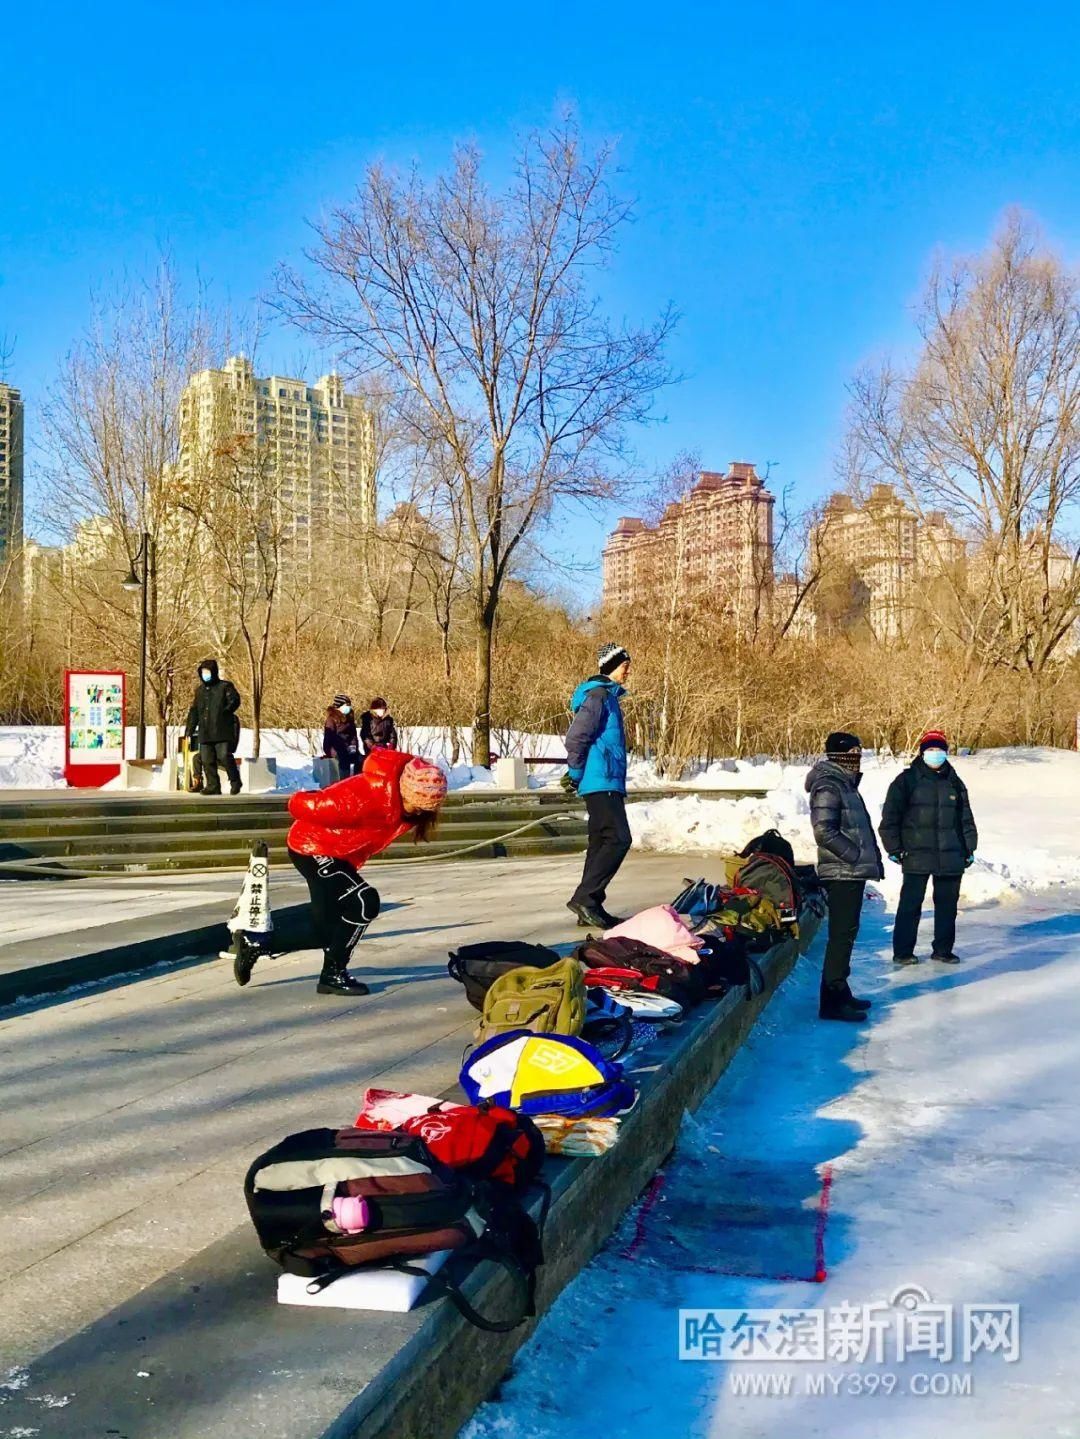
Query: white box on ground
(258,776)
(141,774)
(386,1290)
(511,773)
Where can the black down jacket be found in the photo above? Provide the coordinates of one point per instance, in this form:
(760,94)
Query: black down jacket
(927,820)
(847,847)
(212,718)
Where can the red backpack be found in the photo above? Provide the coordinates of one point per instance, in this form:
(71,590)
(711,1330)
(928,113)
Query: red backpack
(482,1141)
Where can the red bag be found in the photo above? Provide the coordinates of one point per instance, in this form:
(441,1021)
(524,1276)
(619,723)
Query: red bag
(483,1141)
(612,978)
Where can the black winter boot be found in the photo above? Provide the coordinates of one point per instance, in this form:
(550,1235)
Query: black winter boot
(336,979)
(855,999)
(946,958)
(610,920)
(588,917)
(835,1004)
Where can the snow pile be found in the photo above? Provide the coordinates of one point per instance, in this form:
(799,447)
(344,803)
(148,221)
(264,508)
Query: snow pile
(32,756)
(1024,801)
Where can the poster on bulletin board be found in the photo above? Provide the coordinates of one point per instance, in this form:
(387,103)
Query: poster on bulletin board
(93,726)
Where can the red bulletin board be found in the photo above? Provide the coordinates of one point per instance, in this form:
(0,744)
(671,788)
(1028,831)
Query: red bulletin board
(94,712)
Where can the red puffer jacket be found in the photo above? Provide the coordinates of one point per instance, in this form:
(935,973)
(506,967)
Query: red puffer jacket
(355,818)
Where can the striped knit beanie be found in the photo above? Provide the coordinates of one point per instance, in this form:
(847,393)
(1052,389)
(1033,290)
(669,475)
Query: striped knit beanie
(340,700)
(611,657)
(933,739)
(422,785)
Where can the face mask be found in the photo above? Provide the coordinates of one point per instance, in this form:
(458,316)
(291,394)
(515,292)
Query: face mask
(205,676)
(935,758)
(379,714)
(345,709)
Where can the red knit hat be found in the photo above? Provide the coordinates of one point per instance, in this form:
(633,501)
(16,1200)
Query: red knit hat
(933,739)
(422,785)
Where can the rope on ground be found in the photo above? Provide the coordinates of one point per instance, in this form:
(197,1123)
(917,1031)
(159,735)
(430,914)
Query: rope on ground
(51,869)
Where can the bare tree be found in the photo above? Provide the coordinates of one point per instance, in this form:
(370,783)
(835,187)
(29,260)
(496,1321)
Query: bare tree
(243,521)
(112,426)
(481,308)
(985,426)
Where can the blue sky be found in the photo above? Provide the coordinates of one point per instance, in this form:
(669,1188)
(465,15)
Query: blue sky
(795,166)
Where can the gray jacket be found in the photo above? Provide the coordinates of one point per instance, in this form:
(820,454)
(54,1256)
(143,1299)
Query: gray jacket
(847,845)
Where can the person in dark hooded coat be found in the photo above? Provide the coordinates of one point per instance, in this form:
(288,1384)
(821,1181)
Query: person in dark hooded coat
(213,723)
(927,827)
(848,856)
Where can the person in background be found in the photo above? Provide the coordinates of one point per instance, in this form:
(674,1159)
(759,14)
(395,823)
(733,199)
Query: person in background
(336,830)
(596,769)
(848,856)
(927,827)
(340,740)
(213,721)
(377,728)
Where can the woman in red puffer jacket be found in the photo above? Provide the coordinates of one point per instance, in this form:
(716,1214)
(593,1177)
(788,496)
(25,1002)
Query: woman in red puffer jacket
(338,829)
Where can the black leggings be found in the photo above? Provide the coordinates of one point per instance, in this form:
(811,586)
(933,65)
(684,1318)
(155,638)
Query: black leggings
(342,904)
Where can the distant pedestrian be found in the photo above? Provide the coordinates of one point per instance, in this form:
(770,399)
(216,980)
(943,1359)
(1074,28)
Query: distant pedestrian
(338,829)
(340,739)
(377,727)
(214,724)
(927,827)
(596,769)
(848,856)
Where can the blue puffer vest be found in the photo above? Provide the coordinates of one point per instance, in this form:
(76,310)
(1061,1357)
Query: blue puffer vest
(605,763)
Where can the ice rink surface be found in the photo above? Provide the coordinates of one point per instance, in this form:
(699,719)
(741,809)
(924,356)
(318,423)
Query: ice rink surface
(944,1137)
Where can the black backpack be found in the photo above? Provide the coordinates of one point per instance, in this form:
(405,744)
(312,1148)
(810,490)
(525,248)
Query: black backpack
(771,842)
(727,964)
(416,1204)
(478,966)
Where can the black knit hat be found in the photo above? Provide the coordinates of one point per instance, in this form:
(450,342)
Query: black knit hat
(840,742)
(611,657)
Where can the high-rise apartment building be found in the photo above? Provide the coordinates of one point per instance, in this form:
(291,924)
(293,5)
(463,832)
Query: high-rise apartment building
(313,446)
(718,543)
(11,473)
(890,547)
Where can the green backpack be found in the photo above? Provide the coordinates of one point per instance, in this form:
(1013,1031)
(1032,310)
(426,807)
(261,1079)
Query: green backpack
(546,1001)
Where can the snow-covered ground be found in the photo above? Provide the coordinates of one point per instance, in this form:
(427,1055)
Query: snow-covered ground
(1026,803)
(928,1158)
(32,756)
(1025,800)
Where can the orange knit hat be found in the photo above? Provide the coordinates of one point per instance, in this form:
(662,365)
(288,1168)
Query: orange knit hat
(422,785)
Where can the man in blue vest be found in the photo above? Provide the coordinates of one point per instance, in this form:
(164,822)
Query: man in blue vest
(596,756)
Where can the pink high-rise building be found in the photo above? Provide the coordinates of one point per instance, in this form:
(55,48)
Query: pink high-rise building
(717,543)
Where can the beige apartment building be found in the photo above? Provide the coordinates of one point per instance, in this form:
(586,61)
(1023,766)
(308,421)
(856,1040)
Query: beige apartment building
(314,443)
(11,473)
(890,546)
(717,542)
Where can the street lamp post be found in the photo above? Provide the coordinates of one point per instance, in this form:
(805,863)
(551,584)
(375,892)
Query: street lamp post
(132,583)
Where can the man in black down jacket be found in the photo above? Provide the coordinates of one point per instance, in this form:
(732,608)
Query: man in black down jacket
(848,856)
(927,826)
(212,719)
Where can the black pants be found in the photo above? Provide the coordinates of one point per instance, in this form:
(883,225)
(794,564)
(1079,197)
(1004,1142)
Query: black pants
(212,755)
(845,910)
(909,912)
(342,905)
(609,844)
(350,764)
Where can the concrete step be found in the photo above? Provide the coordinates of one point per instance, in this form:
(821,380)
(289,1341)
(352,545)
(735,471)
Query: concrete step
(457,830)
(230,817)
(71,804)
(149,861)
